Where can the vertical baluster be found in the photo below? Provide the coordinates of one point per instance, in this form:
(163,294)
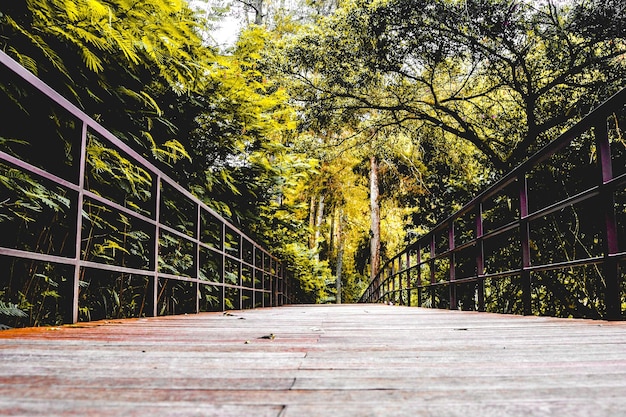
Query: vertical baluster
(480,257)
(419,274)
(525,241)
(452,286)
(432,268)
(392,281)
(613,297)
(240,256)
(223,268)
(197,243)
(263,280)
(408,277)
(79,225)
(157,231)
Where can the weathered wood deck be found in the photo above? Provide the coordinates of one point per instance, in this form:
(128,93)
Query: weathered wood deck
(349,360)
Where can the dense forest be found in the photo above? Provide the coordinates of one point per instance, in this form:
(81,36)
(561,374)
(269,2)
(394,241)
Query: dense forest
(334,132)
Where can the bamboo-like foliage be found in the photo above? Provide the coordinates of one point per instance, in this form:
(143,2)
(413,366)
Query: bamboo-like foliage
(159,34)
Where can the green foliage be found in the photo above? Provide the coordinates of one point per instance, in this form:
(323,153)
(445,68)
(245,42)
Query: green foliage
(8,309)
(489,73)
(108,167)
(231,119)
(312,277)
(28,196)
(125,62)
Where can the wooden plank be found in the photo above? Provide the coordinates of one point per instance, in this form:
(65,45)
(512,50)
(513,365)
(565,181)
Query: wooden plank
(348,360)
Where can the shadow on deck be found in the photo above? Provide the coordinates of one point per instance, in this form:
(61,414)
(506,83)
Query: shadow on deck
(297,361)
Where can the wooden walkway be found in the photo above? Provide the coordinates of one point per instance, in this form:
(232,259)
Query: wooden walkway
(349,360)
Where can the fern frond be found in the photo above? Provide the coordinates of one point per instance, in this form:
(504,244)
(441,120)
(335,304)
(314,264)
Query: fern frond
(12,310)
(124,45)
(149,100)
(93,39)
(92,61)
(97,9)
(110,245)
(26,61)
(177,148)
(38,42)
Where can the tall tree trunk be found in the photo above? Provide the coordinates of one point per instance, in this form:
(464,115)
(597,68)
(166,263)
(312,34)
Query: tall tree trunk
(375,219)
(318,224)
(258,12)
(312,223)
(332,235)
(257,7)
(340,242)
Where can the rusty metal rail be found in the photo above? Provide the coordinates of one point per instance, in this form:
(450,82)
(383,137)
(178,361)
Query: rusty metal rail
(548,222)
(146,234)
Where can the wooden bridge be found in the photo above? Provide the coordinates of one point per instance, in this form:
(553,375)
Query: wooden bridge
(298,361)
(162,251)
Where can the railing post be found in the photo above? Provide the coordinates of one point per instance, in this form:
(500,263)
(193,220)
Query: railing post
(254,276)
(386,283)
(480,257)
(391,283)
(79,224)
(157,244)
(408,278)
(419,274)
(198,239)
(612,297)
(397,281)
(432,269)
(223,268)
(525,241)
(263,285)
(452,286)
(283,275)
(240,272)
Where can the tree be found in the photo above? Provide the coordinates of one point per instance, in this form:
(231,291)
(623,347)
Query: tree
(493,73)
(125,63)
(375,219)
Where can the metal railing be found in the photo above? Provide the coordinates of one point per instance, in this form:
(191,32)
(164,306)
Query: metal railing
(548,236)
(99,246)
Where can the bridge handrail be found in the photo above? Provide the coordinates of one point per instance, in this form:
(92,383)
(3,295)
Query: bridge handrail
(402,274)
(258,277)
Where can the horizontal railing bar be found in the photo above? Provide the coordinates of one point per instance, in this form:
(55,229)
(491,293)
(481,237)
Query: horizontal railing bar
(17,253)
(499,230)
(116,268)
(38,171)
(464,280)
(239,287)
(536,268)
(178,233)
(33,80)
(570,201)
(236,259)
(498,275)
(465,245)
(116,206)
(618,256)
(211,248)
(565,264)
(615,182)
(164,275)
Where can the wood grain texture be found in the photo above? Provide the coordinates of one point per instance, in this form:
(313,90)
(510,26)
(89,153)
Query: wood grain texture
(348,360)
